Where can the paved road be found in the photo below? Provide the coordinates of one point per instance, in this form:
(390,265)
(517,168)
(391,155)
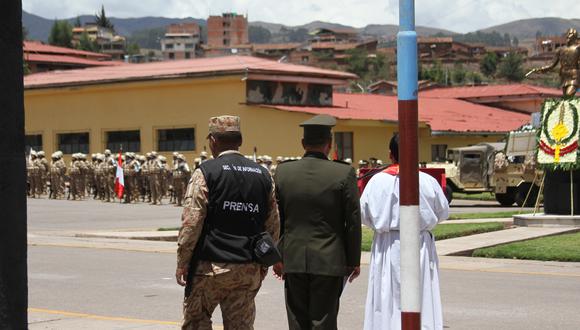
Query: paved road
(140,285)
(60,215)
(470,206)
(110,284)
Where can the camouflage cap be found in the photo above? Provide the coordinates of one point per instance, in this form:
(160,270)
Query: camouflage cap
(224,124)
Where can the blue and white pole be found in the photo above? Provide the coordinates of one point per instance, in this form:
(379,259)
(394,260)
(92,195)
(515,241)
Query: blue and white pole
(409,171)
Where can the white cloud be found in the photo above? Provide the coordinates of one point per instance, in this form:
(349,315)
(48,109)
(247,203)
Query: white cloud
(456,15)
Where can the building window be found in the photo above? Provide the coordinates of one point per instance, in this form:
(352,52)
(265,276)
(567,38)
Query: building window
(226,42)
(438,152)
(126,140)
(187,55)
(182,139)
(33,142)
(343,145)
(305,59)
(168,46)
(70,143)
(189,46)
(171,56)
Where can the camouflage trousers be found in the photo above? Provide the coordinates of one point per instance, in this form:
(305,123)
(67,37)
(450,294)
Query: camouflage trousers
(234,291)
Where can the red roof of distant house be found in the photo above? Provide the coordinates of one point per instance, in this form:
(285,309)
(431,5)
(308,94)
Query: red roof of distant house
(445,115)
(175,69)
(67,60)
(286,46)
(474,92)
(37,47)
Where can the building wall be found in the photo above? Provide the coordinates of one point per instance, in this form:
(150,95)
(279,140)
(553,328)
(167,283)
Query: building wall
(235,34)
(185,103)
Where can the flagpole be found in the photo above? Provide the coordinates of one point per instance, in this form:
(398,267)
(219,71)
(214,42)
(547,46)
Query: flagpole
(409,171)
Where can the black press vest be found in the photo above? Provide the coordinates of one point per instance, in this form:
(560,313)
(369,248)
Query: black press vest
(237,210)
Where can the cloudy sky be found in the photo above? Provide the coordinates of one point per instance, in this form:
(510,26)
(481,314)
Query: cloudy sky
(455,15)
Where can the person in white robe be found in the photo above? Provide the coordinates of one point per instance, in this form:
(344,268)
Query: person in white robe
(380,212)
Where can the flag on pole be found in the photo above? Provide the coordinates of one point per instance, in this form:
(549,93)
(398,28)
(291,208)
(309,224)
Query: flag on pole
(119,179)
(335,153)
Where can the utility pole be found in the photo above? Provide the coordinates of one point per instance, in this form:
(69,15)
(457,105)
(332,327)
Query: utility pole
(409,171)
(13,273)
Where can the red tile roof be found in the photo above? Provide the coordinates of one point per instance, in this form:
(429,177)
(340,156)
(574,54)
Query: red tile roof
(67,60)
(175,69)
(445,115)
(37,47)
(472,92)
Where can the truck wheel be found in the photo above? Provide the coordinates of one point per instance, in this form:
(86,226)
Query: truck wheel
(449,193)
(522,192)
(506,199)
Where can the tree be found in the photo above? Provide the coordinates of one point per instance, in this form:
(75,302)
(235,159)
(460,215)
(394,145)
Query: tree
(85,43)
(474,78)
(436,73)
(24,33)
(133,49)
(60,34)
(259,35)
(515,42)
(78,22)
(458,74)
(510,67)
(488,64)
(103,21)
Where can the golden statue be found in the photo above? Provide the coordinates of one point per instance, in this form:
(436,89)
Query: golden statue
(569,58)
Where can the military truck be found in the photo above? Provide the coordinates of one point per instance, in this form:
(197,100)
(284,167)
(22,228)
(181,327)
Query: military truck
(506,169)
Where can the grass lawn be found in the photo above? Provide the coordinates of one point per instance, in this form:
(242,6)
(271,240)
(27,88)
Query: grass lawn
(168,229)
(564,247)
(443,231)
(486,196)
(483,215)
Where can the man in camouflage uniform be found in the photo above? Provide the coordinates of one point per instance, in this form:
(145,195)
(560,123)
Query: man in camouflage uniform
(34,175)
(232,285)
(173,199)
(164,177)
(99,167)
(128,174)
(180,177)
(154,166)
(44,171)
(75,174)
(144,177)
(107,178)
(90,176)
(57,172)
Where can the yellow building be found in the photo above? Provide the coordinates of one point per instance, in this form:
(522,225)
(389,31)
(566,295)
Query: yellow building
(165,107)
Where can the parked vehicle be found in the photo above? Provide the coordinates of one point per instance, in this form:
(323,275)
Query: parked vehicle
(506,169)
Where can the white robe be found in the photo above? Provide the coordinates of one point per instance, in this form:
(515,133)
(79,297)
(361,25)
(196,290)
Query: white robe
(380,212)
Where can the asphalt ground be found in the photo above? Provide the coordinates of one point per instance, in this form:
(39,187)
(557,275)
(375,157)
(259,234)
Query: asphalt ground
(46,215)
(113,288)
(130,286)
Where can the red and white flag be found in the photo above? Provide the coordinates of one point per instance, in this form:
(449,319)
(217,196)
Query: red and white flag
(119,179)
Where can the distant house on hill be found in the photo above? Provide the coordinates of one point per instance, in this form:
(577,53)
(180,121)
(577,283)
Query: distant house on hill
(106,39)
(181,41)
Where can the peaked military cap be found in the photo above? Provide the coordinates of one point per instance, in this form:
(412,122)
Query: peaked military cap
(318,127)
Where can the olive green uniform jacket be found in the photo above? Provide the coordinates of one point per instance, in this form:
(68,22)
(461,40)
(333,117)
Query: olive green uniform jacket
(320,216)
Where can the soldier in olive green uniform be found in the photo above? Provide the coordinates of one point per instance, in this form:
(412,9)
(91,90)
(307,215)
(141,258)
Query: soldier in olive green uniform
(321,229)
